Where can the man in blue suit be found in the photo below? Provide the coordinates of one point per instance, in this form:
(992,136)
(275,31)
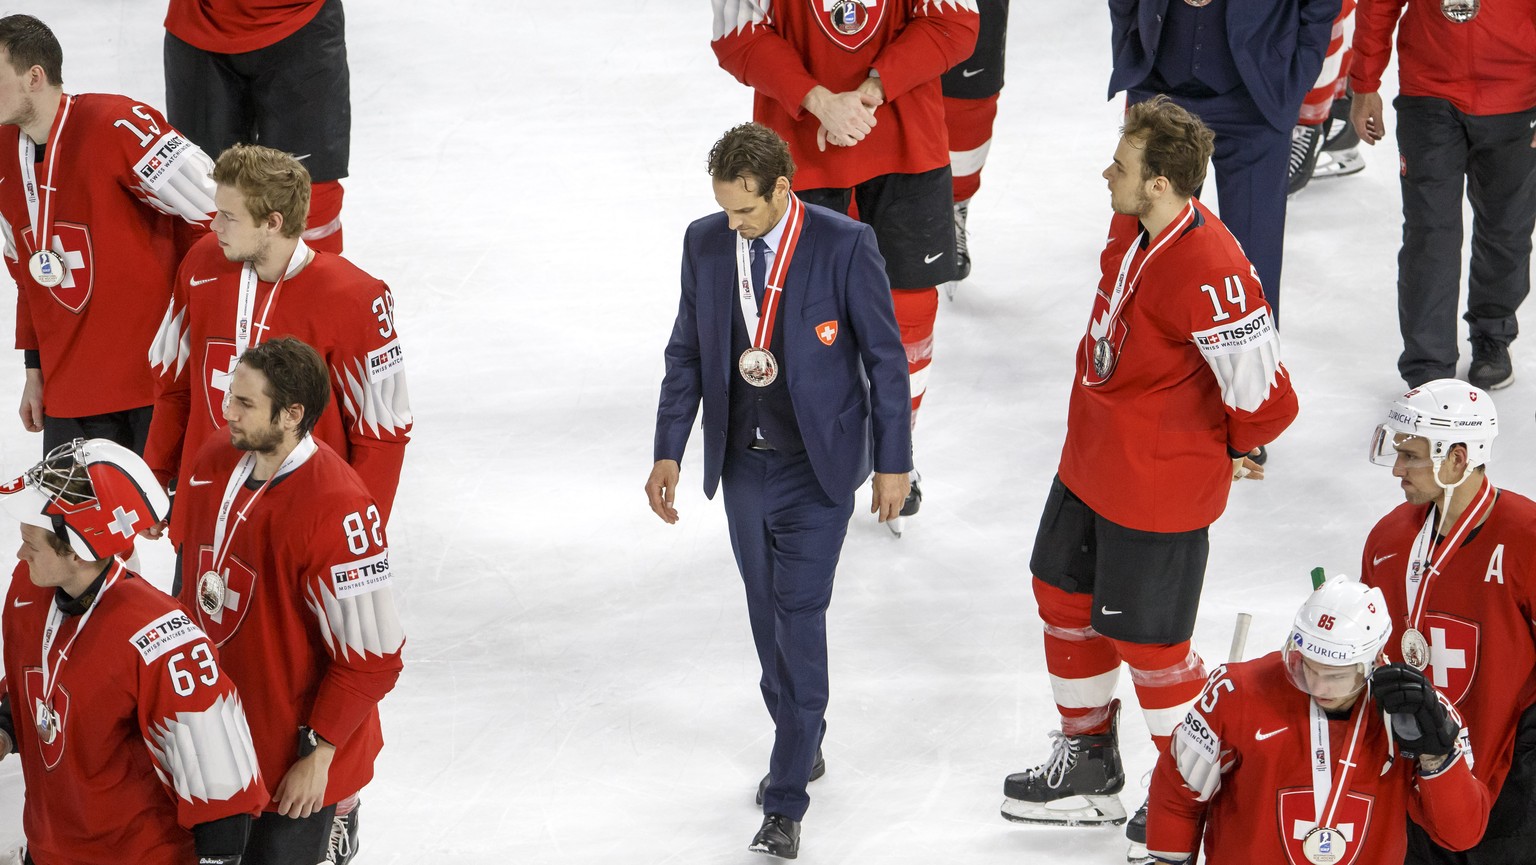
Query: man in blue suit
(787,334)
(1243,67)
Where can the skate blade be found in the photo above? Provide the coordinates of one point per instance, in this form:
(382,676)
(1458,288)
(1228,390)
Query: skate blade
(897,525)
(1338,165)
(1071,811)
(1137,855)
(949,290)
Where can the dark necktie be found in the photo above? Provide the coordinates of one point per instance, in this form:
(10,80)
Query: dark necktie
(759,269)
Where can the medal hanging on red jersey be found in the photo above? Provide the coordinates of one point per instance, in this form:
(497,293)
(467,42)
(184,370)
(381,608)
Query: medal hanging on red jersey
(1460,11)
(246,327)
(757,364)
(212,587)
(1423,567)
(44,716)
(1100,329)
(46,265)
(1324,844)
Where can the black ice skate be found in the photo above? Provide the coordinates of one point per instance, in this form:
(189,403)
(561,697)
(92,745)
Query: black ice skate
(1306,143)
(962,248)
(1076,786)
(909,507)
(1136,833)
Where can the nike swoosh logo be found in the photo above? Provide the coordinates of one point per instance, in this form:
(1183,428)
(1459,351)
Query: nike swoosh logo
(930,259)
(968,73)
(194,482)
(20,603)
(1260,735)
(201,281)
(1108,612)
(1379,559)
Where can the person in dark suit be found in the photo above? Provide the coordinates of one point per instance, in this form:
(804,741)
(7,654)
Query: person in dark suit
(787,334)
(1243,67)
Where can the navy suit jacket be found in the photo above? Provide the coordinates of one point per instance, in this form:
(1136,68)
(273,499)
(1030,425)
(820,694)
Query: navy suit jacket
(849,396)
(1277,45)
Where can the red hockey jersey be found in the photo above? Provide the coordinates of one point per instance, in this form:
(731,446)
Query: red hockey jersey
(1477,621)
(152,741)
(238,26)
(1253,726)
(783,48)
(340,311)
(124,179)
(308,627)
(1189,367)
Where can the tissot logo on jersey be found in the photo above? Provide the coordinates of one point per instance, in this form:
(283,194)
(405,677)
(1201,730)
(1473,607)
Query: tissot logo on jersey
(386,361)
(1239,336)
(164,634)
(155,167)
(362,576)
(1196,733)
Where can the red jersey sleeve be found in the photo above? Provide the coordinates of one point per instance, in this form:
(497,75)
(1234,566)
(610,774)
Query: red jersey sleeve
(1452,804)
(1189,773)
(368,373)
(349,589)
(162,168)
(169,356)
(1227,318)
(193,723)
(940,34)
(748,45)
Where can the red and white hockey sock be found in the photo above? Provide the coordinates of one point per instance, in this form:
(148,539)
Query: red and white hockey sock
(916,309)
(323,229)
(347,805)
(1084,665)
(1168,678)
(1335,72)
(970,137)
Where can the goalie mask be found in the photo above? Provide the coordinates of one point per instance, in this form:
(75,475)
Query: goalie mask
(1445,412)
(1336,639)
(94,493)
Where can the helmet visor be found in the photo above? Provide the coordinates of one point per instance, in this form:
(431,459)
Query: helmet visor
(1385,449)
(1323,682)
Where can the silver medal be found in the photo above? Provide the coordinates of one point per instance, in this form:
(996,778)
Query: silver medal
(1460,11)
(1103,357)
(210,592)
(758,366)
(1198,3)
(47,267)
(47,723)
(1324,846)
(1415,649)
(850,16)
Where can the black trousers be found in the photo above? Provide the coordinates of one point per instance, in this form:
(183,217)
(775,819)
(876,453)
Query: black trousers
(129,428)
(293,95)
(1490,157)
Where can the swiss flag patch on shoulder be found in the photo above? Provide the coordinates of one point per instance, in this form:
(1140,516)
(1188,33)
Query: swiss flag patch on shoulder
(827,332)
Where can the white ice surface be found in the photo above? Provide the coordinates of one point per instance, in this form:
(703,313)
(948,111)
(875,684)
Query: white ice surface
(580,683)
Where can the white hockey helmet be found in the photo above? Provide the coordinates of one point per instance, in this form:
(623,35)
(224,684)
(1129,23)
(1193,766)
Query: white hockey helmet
(1343,624)
(1445,412)
(94,493)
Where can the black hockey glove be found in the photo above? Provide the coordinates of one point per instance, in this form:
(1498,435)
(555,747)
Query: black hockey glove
(1420,723)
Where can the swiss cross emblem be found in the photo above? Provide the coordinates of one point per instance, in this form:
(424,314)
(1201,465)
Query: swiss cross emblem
(1297,817)
(827,332)
(218,367)
(1472,395)
(13,487)
(849,23)
(72,242)
(1453,650)
(123,521)
(239,583)
(52,751)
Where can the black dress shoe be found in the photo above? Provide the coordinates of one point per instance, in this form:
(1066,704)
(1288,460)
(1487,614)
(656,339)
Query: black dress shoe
(818,769)
(780,836)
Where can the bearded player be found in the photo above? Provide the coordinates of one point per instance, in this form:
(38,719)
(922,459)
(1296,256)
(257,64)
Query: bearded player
(1457,564)
(253,278)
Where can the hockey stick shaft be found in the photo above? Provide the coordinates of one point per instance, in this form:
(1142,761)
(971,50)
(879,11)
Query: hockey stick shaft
(1239,638)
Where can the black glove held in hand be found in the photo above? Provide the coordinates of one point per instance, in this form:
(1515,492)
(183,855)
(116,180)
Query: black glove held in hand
(1420,722)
